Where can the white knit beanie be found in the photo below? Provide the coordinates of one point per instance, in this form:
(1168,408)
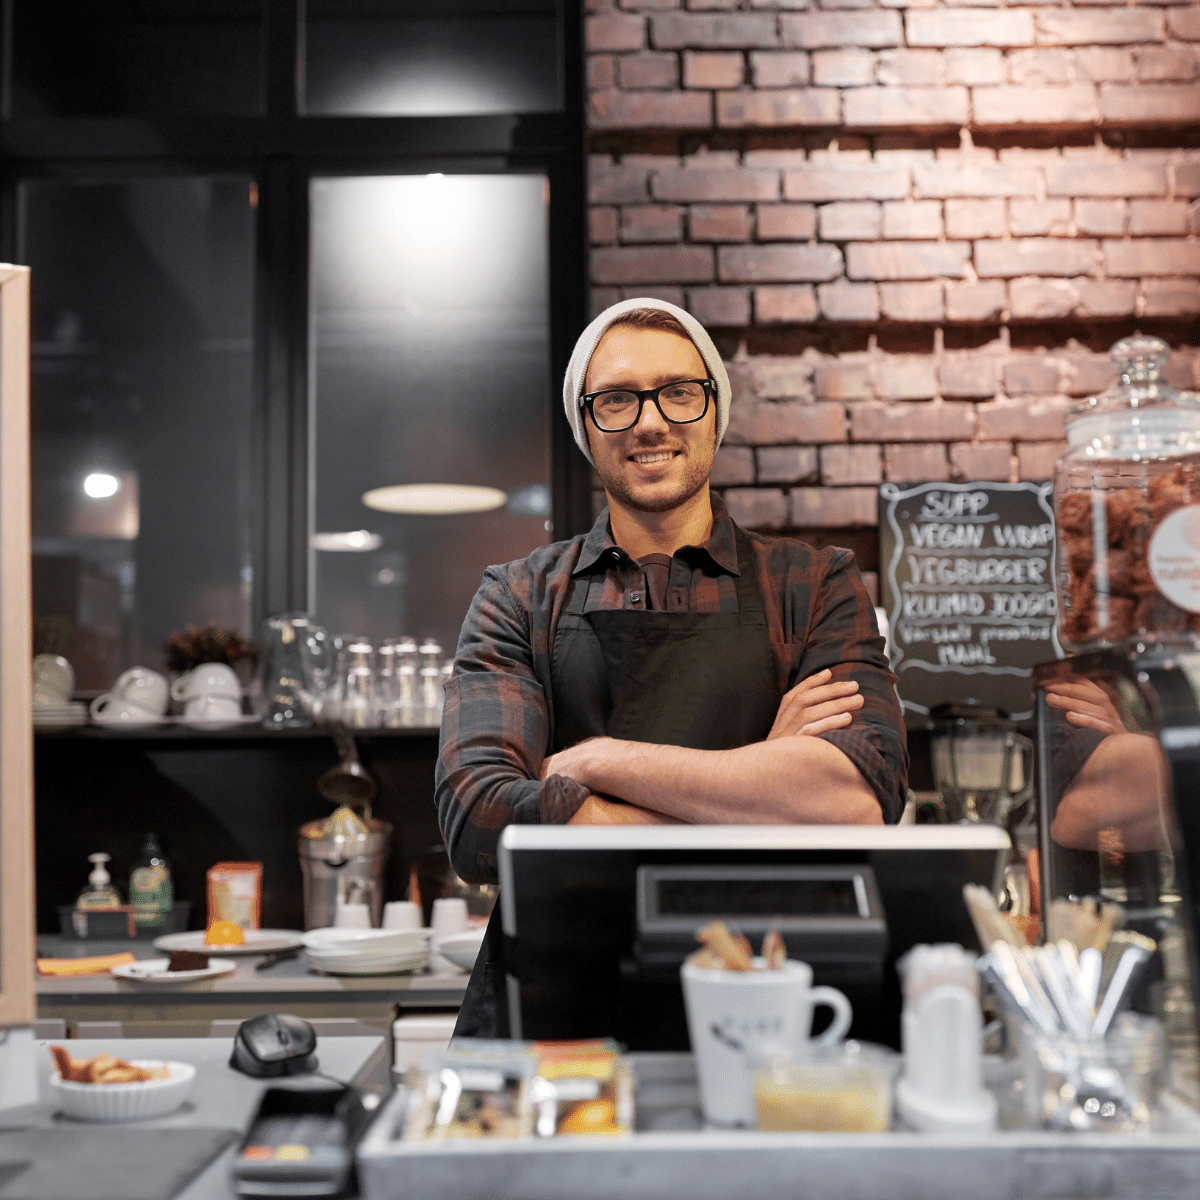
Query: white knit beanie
(588,340)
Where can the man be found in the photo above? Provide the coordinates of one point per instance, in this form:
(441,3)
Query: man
(668,666)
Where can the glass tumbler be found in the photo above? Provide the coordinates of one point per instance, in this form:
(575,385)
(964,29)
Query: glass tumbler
(408,708)
(358,703)
(387,684)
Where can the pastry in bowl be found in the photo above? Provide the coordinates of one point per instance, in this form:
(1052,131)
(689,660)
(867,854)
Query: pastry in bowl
(106,1088)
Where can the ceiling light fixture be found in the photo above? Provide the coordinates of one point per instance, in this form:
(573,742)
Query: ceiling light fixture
(353,540)
(99,485)
(434,499)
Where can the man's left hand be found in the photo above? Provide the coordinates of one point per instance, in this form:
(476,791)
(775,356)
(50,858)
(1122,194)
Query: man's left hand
(568,762)
(816,705)
(1086,704)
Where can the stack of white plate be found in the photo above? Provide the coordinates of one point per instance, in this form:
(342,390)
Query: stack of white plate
(367,951)
(55,715)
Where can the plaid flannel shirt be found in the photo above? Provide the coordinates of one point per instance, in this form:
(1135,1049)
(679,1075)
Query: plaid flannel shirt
(498,722)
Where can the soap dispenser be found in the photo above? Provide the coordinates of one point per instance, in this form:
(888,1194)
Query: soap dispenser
(99,892)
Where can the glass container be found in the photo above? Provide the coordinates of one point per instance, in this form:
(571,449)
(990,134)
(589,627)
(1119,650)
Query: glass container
(1105,1085)
(846,1088)
(1127,507)
(295,670)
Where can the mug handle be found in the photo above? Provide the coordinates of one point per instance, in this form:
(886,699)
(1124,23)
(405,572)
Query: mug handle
(96,706)
(842,1013)
(177,686)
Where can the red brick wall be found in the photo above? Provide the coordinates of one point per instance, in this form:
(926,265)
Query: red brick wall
(914,228)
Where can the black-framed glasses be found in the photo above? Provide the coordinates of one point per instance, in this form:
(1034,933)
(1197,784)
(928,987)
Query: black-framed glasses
(680,403)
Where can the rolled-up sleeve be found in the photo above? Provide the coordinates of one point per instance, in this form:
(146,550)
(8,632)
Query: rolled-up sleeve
(844,636)
(495,733)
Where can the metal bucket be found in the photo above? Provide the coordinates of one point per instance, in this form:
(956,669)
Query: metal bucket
(342,859)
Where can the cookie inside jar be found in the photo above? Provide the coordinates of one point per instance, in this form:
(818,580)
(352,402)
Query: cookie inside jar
(1127,507)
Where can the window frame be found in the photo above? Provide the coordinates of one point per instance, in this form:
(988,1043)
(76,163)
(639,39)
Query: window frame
(282,150)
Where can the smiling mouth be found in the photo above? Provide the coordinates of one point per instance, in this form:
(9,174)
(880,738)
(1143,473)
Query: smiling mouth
(653,456)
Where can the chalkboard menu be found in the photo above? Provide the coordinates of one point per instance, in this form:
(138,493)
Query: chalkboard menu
(968,584)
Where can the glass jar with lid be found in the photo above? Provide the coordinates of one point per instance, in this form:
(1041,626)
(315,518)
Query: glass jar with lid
(1127,507)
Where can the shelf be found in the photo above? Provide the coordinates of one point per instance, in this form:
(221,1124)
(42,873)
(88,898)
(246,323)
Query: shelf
(239,734)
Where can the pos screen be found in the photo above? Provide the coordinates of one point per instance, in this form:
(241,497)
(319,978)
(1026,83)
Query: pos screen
(596,919)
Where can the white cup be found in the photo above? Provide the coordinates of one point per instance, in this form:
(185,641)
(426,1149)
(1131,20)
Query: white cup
(733,1016)
(53,675)
(449,917)
(208,679)
(212,708)
(108,709)
(352,916)
(401,914)
(44,698)
(143,687)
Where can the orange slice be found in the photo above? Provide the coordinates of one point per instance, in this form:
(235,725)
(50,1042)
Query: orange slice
(224,933)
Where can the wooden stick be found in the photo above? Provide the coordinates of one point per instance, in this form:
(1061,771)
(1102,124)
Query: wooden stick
(722,943)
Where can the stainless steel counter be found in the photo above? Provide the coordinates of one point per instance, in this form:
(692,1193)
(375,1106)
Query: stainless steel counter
(183,1009)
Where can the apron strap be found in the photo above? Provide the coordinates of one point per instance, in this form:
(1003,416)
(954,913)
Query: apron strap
(578,595)
(749,595)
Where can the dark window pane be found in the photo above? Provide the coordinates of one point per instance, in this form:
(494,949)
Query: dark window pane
(432,367)
(142,374)
(104,58)
(438,59)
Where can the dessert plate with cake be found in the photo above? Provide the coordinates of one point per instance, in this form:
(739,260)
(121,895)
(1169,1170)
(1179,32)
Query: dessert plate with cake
(184,966)
(253,941)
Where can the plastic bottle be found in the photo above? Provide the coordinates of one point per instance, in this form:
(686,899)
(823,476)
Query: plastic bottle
(150,891)
(99,892)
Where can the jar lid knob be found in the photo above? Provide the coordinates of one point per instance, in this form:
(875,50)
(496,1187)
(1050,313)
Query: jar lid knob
(1140,359)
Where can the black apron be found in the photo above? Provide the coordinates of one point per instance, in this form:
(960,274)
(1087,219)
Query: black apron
(703,680)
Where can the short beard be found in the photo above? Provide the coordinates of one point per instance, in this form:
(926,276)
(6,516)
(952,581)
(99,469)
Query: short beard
(693,482)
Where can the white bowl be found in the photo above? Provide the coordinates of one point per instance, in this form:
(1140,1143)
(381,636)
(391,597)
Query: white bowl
(125,1101)
(462,948)
(366,941)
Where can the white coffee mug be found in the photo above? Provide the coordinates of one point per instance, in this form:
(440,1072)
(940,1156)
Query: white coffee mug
(208,679)
(143,687)
(108,709)
(734,1015)
(401,914)
(212,708)
(53,675)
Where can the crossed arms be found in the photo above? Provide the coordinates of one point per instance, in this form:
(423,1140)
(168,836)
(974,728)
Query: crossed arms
(835,753)
(753,784)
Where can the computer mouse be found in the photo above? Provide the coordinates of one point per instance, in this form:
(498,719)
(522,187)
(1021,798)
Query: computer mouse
(274,1044)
